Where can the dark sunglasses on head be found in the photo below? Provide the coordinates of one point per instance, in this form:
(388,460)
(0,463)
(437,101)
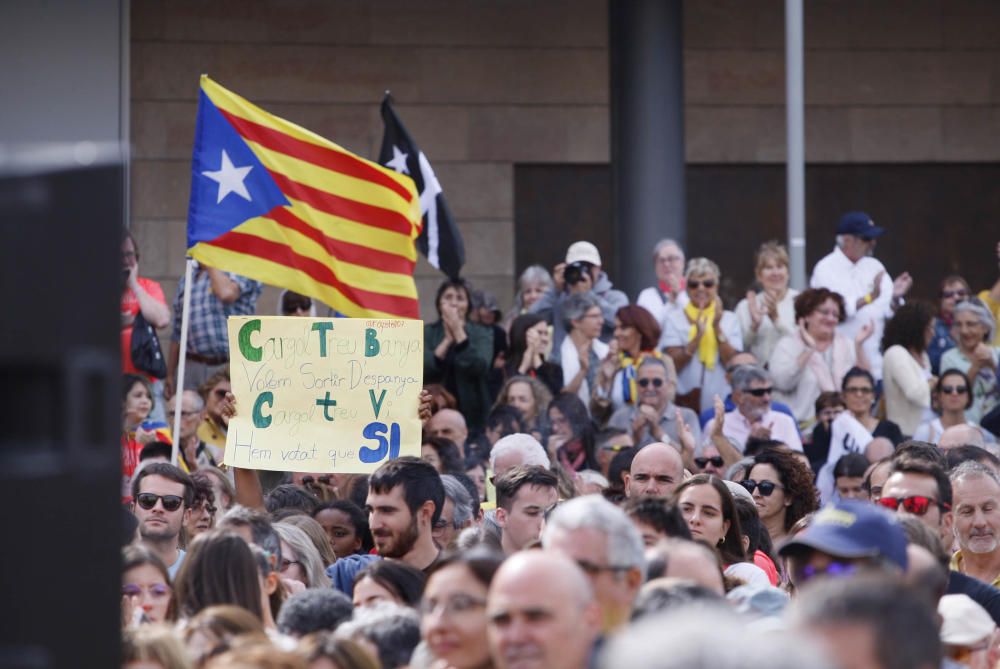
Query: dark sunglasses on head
(645,382)
(716,461)
(695,285)
(766,487)
(918,505)
(147,500)
(759,392)
(954,390)
(954,293)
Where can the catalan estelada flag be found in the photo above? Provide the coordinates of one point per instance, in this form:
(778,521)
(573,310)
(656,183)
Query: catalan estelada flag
(277,203)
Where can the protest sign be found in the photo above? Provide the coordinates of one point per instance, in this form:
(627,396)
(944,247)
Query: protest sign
(324,394)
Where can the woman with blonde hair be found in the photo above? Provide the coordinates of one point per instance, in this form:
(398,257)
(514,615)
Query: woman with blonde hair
(152,646)
(769,315)
(300,561)
(530,396)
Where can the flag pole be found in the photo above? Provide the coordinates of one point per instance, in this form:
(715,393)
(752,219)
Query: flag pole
(179,389)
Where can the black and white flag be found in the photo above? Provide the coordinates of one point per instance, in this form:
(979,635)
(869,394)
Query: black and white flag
(440,240)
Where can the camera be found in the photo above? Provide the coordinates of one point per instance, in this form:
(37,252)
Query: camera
(575,271)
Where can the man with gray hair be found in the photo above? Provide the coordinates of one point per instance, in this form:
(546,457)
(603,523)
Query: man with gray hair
(975,493)
(753,416)
(655,417)
(961,435)
(456,514)
(194,452)
(517,449)
(601,538)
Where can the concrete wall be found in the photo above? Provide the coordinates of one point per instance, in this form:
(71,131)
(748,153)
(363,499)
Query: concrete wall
(483,85)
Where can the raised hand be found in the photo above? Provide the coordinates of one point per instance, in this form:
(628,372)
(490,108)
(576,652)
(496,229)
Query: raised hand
(756,312)
(720,416)
(902,284)
(807,338)
(559,276)
(865,332)
(762,431)
(684,434)
(717,318)
(877,288)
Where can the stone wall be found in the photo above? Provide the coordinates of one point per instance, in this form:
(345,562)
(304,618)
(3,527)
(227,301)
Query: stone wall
(485,84)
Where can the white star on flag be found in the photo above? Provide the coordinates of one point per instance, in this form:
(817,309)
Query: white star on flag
(398,161)
(230,179)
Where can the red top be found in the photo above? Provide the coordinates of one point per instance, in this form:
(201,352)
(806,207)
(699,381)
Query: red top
(130,306)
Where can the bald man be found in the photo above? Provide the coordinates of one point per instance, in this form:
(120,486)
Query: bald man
(657,470)
(449,424)
(961,435)
(541,613)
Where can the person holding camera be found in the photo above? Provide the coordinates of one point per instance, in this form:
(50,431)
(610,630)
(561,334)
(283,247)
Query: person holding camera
(580,273)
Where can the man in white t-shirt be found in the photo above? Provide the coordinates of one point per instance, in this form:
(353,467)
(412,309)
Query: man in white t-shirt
(869,293)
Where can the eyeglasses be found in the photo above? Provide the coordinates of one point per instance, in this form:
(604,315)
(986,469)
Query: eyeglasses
(591,569)
(834,569)
(759,392)
(198,506)
(859,390)
(443,523)
(954,390)
(184,414)
(954,293)
(766,488)
(716,461)
(918,505)
(707,283)
(657,383)
(147,500)
(220,393)
(155,590)
(455,604)
(286,563)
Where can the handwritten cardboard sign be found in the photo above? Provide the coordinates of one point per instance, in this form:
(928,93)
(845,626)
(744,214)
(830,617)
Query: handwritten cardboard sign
(324,394)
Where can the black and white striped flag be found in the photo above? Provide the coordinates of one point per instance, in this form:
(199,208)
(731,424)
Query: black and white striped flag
(440,240)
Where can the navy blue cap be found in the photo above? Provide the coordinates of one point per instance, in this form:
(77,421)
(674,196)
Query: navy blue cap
(859,224)
(851,528)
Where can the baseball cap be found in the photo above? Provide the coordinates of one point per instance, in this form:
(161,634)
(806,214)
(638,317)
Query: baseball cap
(964,622)
(583,252)
(859,224)
(851,528)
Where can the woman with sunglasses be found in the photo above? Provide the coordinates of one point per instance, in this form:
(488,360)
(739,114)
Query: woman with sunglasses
(636,337)
(782,488)
(701,338)
(858,391)
(146,592)
(453,610)
(953,396)
(815,358)
(975,328)
(906,370)
(954,289)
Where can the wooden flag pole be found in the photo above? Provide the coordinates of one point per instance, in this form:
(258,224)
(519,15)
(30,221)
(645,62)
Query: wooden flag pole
(179,384)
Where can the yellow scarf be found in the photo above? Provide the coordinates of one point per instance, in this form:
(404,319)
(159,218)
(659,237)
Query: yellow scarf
(708,347)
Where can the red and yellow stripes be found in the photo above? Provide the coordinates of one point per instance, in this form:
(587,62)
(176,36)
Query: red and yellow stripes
(348,236)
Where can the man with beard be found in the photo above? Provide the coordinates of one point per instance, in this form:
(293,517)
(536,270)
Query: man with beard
(753,415)
(405,499)
(162,497)
(976,497)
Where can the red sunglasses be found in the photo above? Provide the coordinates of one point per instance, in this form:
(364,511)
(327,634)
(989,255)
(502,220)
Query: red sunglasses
(918,505)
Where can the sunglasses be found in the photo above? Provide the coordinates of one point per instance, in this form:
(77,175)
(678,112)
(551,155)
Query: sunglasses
(954,293)
(309,480)
(645,382)
(759,392)
(716,461)
(766,487)
(859,390)
(147,500)
(695,285)
(918,505)
(954,390)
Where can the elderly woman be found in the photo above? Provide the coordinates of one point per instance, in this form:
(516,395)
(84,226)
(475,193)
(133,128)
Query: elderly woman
(458,353)
(906,369)
(815,358)
(954,289)
(974,328)
(701,338)
(668,293)
(532,284)
(636,335)
(582,351)
(769,315)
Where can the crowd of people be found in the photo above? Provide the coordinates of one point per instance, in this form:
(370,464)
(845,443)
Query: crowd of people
(807,478)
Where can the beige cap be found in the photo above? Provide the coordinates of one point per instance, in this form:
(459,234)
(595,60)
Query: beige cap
(583,252)
(964,622)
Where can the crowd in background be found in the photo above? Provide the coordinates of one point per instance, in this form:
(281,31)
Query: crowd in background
(810,477)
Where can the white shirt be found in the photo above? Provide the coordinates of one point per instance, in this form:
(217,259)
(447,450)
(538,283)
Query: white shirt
(571,365)
(651,299)
(712,381)
(762,342)
(853,281)
(737,428)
